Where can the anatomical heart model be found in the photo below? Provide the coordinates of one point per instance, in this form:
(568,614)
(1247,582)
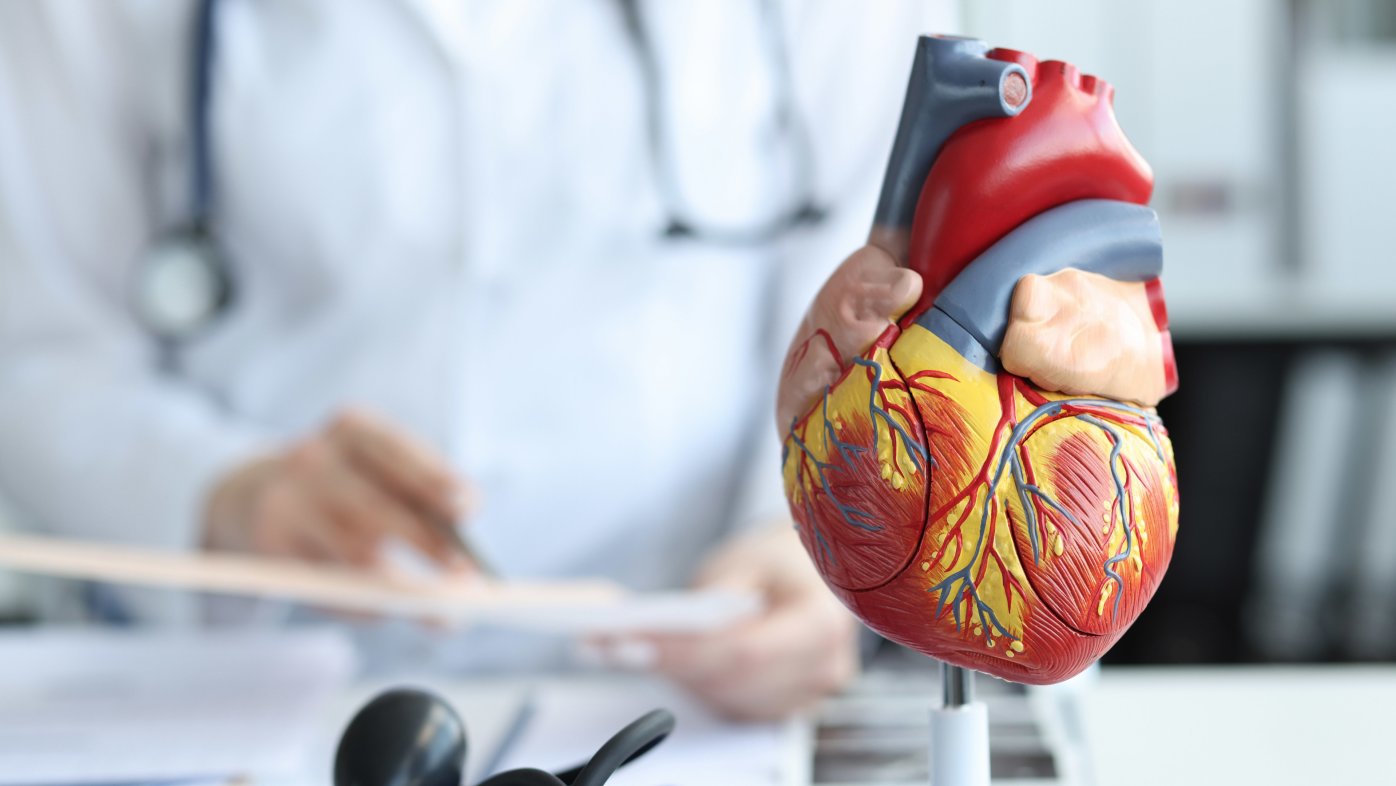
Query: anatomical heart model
(971,451)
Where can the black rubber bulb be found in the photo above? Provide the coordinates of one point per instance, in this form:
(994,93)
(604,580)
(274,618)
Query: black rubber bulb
(404,737)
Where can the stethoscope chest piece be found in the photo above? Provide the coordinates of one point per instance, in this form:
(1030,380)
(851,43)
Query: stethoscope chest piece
(181,284)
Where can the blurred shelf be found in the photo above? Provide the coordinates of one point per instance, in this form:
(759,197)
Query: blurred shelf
(1288,309)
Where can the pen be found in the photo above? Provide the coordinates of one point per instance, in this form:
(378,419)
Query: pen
(463,546)
(466,502)
(512,733)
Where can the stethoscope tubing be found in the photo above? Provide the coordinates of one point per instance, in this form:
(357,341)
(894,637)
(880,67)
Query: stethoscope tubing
(626,745)
(196,233)
(200,101)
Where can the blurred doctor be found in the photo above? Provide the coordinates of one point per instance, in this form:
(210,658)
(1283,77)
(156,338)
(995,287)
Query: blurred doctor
(540,254)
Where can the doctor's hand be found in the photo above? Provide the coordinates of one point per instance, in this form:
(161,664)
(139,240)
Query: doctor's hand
(336,496)
(800,649)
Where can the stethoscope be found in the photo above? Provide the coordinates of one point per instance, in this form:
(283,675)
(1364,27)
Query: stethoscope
(184,281)
(789,121)
(412,737)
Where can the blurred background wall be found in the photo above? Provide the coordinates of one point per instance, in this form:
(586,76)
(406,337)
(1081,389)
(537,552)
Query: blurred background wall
(1269,127)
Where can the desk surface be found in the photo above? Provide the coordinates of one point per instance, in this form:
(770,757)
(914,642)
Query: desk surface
(1314,725)
(490,708)
(1241,725)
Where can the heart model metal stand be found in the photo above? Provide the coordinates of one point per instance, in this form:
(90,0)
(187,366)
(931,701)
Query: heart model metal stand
(408,737)
(959,751)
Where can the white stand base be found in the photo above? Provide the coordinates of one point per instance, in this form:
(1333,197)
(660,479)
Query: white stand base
(960,745)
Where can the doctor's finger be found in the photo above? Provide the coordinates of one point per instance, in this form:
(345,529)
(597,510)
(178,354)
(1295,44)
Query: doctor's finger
(775,639)
(287,520)
(409,468)
(769,696)
(372,514)
(781,685)
(751,698)
(321,539)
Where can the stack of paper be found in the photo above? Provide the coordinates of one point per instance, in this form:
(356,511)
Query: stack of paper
(101,707)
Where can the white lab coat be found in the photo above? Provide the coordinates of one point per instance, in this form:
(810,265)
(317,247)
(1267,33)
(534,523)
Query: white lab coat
(443,212)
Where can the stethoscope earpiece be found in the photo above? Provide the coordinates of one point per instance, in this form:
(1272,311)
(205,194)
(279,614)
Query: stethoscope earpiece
(409,737)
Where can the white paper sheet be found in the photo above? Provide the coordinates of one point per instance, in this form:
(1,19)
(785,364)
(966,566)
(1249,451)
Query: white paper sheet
(112,707)
(569,721)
